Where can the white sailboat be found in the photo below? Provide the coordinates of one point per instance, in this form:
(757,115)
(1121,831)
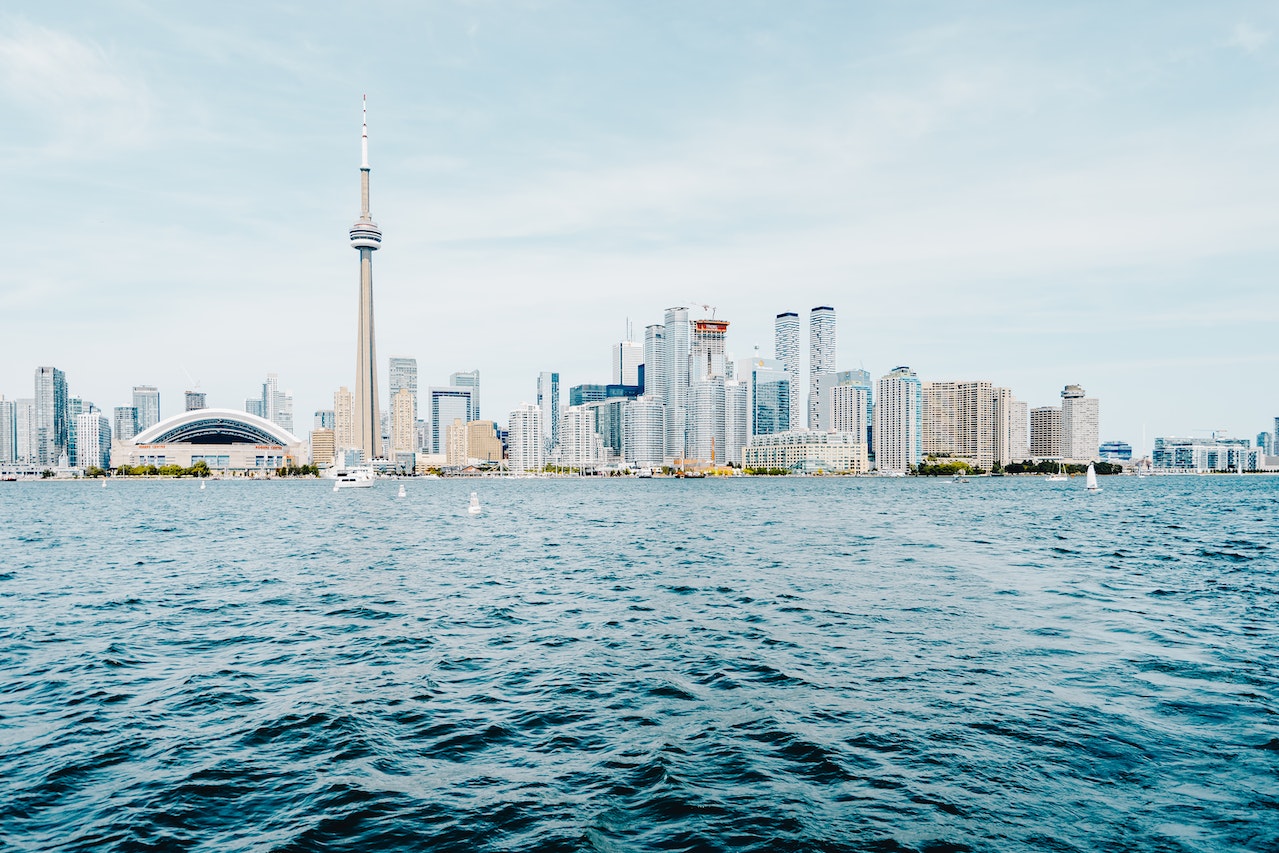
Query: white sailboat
(1060,476)
(1091,483)
(474,508)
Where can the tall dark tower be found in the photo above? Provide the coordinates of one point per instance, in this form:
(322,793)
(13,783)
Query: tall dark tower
(366,237)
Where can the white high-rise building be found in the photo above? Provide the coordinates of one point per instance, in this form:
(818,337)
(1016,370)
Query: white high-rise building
(525,450)
(469,379)
(93,440)
(277,405)
(655,364)
(678,333)
(736,421)
(786,347)
(580,445)
(851,404)
(705,422)
(1010,428)
(26,432)
(644,432)
(821,355)
(548,400)
(898,415)
(8,433)
(1080,431)
(627,358)
(1045,432)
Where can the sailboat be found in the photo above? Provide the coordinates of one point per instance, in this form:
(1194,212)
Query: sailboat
(1060,476)
(474,508)
(1091,484)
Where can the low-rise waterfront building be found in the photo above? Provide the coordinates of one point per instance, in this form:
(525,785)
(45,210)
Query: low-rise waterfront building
(807,450)
(1201,455)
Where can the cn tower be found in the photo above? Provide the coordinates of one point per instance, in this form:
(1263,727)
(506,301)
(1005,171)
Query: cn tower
(366,237)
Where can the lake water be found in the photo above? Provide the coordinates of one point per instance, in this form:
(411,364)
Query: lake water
(755,664)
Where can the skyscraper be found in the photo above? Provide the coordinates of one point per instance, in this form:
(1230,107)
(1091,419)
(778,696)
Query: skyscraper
(627,356)
(343,419)
(403,421)
(706,356)
(366,238)
(678,330)
(51,415)
(580,446)
(1080,432)
(445,405)
(1045,432)
(125,422)
(548,400)
(146,399)
(93,440)
(196,400)
(277,405)
(898,421)
(852,402)
(1010,428)
(959,422)
(821,354)
(524,439)
(644,431)
(768,395)
(655,364)
(8,432)
(403,374)
(468,379)
(26,433)
(786,347)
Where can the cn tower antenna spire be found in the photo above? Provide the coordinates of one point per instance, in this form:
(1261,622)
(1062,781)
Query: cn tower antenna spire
(364,137)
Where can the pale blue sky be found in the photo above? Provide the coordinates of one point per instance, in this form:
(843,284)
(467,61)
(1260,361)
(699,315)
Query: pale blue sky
(1024,193)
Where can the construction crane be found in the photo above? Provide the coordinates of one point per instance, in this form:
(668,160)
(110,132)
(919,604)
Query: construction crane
(705,307)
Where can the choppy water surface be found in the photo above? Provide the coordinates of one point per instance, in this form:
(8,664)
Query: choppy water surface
(1006,665)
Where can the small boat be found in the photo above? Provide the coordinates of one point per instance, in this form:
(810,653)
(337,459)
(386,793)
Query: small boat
(474,508)
(402,492)
(1061,476)
(360,477)
(1091,484)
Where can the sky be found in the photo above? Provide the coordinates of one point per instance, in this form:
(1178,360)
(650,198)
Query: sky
(1031,194)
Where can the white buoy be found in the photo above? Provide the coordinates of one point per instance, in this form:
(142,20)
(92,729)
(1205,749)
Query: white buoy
(402,492)
(474,508)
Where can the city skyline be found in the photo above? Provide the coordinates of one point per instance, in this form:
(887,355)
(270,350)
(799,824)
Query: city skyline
(1103,241)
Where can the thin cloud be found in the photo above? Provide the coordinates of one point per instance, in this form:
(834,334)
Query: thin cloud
(78,98)
(1248,38)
